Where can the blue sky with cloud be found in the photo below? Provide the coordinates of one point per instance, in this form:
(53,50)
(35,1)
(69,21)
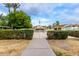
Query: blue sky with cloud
(48,13)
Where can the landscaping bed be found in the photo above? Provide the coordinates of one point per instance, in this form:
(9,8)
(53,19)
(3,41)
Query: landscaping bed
(14,41)
(68,47)
(16,34)
(52,34)
(74,33)
(12,47)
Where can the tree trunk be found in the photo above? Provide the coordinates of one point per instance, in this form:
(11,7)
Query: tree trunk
(14,10)
(9,10)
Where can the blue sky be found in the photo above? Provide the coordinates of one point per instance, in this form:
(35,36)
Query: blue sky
(48,13)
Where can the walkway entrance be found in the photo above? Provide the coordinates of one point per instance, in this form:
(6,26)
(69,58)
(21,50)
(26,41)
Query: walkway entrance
(39,45)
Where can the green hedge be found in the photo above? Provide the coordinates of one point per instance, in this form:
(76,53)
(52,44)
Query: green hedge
(74,33)
(16,34)
(57,34)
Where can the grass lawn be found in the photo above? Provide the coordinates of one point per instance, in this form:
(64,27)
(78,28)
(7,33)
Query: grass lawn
(68,47)
(13,47)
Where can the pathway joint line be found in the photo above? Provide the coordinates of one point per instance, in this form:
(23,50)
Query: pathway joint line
(38,46)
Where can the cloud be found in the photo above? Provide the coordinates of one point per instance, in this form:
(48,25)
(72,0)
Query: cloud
(65,13)
(3,9)
(43,21)
(76,11)
(38,9)
(73,17)
(49,12)
(3,13)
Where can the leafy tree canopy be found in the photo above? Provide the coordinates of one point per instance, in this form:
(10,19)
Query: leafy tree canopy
(3,21)
(19,19)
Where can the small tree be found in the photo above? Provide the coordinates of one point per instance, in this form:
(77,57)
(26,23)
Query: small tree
(3,21)
(57,23)
(19,20)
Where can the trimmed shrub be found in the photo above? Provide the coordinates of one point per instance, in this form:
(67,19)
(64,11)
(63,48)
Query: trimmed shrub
(74,33)
(16,34)
(57,34)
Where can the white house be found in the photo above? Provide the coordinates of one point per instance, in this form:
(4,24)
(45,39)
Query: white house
(71,27)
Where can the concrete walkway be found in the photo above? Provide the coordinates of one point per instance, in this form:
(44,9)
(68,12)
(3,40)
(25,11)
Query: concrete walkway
(39,46)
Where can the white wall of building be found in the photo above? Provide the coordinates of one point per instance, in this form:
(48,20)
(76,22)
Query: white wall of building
(71,28)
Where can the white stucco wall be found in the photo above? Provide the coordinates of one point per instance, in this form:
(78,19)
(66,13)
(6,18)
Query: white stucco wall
(71,28)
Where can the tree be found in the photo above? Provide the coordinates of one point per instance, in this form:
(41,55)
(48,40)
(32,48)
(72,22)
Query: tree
(15,6)
(8,5)
(19,20)
(3,21)
(1,16)
(57,23)
(12,5)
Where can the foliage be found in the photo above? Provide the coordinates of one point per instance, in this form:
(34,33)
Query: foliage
(14,6)
(59,53)
(56,23)
(62,52)
(19,20)
(3,21)
(57,34)
(16,19)
(74,33)
(16,34)
(8,5)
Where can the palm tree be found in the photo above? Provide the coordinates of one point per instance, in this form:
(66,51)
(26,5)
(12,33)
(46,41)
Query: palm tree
(57,23)
(8,5)
(12,5)
(15,6)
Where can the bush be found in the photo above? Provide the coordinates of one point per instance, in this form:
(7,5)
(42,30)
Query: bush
(16,34)
(19,20)
(74,33)
(57,34)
